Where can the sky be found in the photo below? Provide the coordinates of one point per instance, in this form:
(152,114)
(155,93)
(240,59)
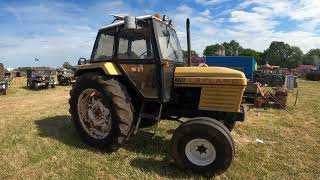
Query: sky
(55,31)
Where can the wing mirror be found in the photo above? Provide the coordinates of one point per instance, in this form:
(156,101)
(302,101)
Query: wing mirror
(82,61)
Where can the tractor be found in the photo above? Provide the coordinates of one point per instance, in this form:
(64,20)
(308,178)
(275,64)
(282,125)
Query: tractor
(66,77)
(40,77)
(137,76)
(4,81)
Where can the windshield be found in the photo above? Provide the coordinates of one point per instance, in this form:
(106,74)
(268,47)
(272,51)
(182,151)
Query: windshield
(67,72)
(40,73)
(168,42)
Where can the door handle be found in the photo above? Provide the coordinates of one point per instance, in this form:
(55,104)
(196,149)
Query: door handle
(165,64)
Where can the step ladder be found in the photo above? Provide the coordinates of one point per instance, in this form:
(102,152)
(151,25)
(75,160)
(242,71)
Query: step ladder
(144,115)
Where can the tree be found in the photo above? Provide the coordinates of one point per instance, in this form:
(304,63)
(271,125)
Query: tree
(279,53)
(232,48)
(193,53)
(312,57)
(252,53)
(282,54)
(212,50)
(297,57)
(67,65)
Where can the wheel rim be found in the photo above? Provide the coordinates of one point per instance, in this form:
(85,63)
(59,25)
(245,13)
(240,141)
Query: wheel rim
(200,152)
(94,115)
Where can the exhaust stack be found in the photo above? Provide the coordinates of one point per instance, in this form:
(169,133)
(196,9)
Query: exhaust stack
(188,41)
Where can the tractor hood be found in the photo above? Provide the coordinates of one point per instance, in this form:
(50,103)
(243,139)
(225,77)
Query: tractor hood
(209,76)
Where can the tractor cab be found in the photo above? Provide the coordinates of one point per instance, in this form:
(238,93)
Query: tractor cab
(146,51)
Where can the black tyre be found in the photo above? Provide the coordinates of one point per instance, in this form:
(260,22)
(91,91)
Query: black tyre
(36,86)
(230,125)
(4,92)
(105,121)
(53,86)
(203,145)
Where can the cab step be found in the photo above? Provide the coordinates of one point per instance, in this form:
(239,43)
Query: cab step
(145,116)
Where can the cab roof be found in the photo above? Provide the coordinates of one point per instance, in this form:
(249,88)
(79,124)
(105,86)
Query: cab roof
(122,22)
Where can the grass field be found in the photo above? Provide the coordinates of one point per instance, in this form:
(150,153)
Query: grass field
(38,141)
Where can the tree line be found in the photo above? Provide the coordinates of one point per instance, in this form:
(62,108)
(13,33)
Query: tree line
(278,53)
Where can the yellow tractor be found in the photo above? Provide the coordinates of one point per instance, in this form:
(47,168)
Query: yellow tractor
(137,75)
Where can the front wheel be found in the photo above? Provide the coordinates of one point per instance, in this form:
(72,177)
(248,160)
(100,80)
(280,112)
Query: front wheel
(203,145)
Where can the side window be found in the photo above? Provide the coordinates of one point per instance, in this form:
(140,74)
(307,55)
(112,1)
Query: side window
(135,45)
(104,47)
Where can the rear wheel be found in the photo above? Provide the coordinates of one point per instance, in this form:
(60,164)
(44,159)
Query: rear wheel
(4,91)
(36,86)
(203,145)
(101,110)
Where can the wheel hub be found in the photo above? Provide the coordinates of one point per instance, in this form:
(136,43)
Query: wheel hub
(94,115)
(200,152)
(201,149)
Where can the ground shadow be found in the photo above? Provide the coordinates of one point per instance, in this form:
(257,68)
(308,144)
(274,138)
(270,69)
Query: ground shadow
(166,168)
(62,129)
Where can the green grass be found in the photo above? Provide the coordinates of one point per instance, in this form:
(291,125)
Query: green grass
(38,141)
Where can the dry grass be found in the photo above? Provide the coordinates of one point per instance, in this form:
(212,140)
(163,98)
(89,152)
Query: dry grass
(38,141)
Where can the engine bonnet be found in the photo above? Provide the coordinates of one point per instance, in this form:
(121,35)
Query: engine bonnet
(209,76)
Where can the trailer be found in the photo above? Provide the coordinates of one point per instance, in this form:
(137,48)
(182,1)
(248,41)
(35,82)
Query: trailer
(246,64)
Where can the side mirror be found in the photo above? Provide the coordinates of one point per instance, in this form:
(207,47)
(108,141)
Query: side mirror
(130,22)
(82,61)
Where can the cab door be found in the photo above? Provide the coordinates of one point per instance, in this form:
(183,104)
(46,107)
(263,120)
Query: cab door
(136,57)
(170,54)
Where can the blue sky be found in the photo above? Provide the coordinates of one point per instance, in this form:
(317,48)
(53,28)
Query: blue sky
(56,31)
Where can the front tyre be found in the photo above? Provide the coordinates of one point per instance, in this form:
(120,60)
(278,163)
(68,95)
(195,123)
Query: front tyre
(203,145)
(101,111)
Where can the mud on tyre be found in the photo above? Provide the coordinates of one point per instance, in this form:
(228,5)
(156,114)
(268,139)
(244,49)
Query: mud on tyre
(101,110)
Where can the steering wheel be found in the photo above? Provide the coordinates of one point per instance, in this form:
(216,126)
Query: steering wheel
(142,54)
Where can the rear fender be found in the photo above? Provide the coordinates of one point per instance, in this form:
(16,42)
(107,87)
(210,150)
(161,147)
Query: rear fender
(106,68)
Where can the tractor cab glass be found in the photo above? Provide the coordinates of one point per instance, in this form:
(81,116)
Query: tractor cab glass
(103,50)
(168,41)
(136,44)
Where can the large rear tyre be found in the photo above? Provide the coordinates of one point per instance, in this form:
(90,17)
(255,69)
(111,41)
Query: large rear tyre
(101,110)
(203,145)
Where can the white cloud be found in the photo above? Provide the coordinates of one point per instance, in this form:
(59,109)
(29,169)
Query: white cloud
(185,9)
(205,13)
(210,2)
(256,22)
(62,35)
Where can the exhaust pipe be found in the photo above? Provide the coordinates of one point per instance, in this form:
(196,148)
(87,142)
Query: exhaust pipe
(188,42)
